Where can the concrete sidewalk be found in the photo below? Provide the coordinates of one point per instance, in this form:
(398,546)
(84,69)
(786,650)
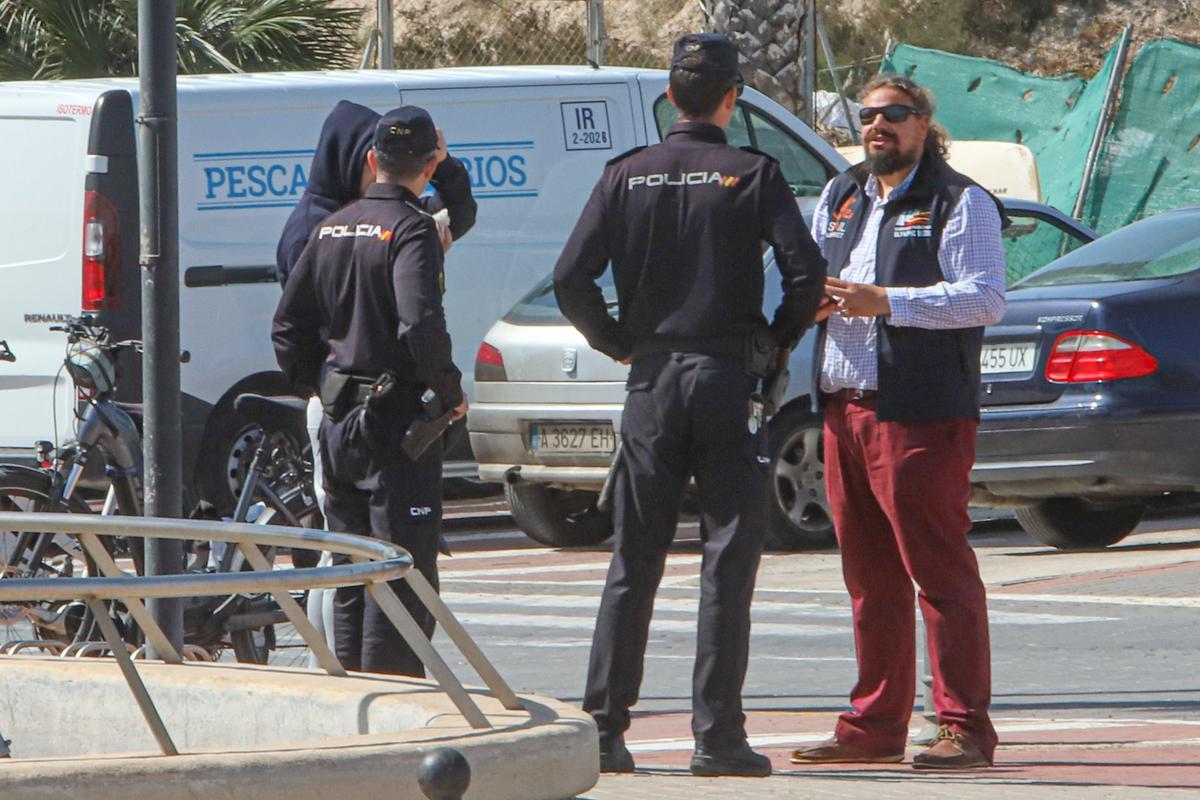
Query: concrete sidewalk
(1060,758)
(1073,749)
(867,787)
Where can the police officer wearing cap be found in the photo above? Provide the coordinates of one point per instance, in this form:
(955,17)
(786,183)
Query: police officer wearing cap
(683,224)
(361,320)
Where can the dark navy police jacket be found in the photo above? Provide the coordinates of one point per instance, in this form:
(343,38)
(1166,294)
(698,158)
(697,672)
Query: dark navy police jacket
(683,224)
(335,176)
(366,297)
(923,374)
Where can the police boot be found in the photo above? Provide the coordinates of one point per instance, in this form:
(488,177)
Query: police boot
(738,760)
(614,755)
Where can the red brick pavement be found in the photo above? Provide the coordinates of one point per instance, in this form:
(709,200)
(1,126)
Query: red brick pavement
(1075,750)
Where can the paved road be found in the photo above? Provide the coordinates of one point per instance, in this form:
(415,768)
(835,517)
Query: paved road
(1094,661)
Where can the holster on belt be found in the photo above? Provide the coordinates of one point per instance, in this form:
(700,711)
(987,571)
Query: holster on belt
(333,391)
(761,352)
(342,391)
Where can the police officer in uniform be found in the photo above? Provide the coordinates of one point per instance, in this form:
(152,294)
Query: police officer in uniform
(682,224)
(361,320)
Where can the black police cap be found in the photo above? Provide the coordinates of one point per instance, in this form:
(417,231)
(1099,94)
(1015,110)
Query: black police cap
(705,52)
(407,130)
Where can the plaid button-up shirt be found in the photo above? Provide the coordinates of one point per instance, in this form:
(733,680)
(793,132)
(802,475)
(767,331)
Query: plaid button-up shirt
(971,256)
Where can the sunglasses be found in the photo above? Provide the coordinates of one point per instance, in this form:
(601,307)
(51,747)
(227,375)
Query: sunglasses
(896,112)
(739,83)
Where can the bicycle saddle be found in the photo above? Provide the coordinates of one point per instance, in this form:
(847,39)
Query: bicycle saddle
(272,412)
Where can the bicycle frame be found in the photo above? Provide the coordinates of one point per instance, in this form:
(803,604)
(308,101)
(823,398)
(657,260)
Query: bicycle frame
(109,429)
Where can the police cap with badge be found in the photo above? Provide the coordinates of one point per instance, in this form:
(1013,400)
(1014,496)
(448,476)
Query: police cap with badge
(406,131)
(708,52)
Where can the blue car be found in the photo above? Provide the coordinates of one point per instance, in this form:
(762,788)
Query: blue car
(1091,386)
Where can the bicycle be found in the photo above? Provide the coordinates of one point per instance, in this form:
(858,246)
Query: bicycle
(109,429)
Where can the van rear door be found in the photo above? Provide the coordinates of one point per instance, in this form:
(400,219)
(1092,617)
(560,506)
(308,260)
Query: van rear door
(43,161)
(534,153)
(111,276)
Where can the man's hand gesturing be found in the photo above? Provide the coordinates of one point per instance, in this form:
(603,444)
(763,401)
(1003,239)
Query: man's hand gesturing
(856,299)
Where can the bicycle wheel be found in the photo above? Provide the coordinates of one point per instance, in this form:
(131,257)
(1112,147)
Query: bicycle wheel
(25,554)
(300,509)
(254,645)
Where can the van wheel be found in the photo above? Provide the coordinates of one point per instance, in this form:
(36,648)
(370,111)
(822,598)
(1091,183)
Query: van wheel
(229,448)
(557,517)
(1072,523)
(799,517)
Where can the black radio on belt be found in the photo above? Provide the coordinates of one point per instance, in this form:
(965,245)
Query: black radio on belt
(761,352)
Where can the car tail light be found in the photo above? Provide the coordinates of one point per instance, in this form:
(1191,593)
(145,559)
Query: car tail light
(1085,356)
(101,254)
(489,364)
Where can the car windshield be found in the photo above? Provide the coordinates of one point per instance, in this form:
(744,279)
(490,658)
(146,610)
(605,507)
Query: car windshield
(806,174)
(1158,247)
(540,308)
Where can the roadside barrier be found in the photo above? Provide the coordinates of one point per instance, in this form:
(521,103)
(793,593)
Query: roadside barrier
(373,564)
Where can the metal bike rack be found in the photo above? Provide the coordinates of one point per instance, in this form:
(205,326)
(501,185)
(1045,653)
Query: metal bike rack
(373,564)
(191,652)
(86,649)
(49,645)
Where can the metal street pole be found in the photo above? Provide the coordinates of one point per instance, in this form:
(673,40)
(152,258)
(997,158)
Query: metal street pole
(595,33)
(837,80)
(808,76)
(387,36)
(1106,113)
(159,190)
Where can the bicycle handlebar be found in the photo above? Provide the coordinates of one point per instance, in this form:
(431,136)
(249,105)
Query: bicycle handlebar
(79,329)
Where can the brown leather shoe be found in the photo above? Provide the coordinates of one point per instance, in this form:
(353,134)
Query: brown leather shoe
(831,751)
(951,750)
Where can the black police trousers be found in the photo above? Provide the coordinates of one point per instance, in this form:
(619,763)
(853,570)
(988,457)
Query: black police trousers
(372,488)
(685,414)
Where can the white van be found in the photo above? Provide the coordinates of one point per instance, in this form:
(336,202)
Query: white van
(534,140)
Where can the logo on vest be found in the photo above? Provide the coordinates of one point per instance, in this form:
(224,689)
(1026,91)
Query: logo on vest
(913,225)
(836,229)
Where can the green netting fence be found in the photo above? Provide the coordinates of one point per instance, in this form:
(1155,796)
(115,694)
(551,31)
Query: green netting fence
(1150,158)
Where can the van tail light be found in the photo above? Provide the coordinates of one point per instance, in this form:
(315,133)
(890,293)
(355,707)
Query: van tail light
(101,254)
(1086,356)
(489,364)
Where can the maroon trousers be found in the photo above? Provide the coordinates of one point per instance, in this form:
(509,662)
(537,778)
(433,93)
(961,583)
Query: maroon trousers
(899,493)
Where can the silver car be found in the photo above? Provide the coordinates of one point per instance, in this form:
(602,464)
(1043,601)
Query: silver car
(546,414)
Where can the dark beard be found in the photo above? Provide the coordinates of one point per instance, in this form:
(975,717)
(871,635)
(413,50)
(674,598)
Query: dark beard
(887,163)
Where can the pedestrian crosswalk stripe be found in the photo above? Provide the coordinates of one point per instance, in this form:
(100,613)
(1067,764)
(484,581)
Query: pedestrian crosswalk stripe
(689,605)
(523,570)
(557,622)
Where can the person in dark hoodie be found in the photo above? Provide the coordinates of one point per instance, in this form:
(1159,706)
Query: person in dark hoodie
(338,175)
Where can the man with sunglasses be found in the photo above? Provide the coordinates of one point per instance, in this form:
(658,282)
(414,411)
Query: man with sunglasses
(683,224)
(916,270)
